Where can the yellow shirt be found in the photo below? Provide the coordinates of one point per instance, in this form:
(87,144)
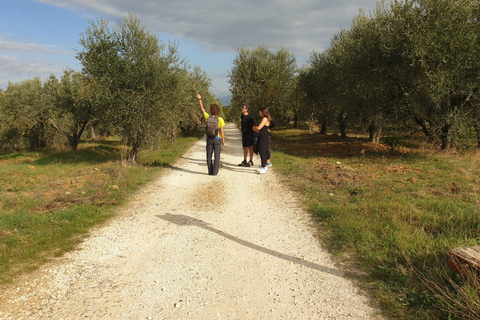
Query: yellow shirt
(221,123)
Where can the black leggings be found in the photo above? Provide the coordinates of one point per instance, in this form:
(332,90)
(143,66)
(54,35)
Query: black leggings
(264,148)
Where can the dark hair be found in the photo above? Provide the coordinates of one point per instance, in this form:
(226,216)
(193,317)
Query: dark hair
(214,109)
(247,107)
(265,113)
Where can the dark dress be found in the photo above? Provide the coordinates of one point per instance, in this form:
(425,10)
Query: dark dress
(248,121)
(264,145)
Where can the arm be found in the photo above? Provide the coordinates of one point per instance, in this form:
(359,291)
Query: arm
(199,97)
(260,126)
(222,133)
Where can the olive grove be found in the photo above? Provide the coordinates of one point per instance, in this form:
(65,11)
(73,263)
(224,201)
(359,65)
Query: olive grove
(411,62)
(130,84)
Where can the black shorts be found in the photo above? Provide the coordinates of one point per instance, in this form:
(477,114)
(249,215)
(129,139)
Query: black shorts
(247,140)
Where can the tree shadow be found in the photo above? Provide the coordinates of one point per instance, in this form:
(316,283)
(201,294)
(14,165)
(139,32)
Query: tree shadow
(308,145)
(183,220)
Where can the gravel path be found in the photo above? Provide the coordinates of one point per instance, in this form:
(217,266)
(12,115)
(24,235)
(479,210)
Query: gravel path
(177,252)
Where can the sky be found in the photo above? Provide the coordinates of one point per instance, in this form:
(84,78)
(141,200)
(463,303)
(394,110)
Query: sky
(41,37)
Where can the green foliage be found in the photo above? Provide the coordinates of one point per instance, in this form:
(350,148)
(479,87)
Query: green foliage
(262,78)
(79,100)
(409,61)
(24,112)
(150,88)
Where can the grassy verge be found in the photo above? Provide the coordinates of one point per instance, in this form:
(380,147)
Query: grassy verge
(49,200)
(393,213)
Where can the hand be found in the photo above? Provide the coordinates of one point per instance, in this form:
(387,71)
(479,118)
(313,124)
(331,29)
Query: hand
(199,97)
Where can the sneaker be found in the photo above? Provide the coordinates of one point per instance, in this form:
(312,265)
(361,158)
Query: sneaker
(250,163)
(269,164)
(263,170)
(243,164)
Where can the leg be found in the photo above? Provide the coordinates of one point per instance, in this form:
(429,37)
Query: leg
(217,148)
(268,151)
(263,150)
(250,151)
(209,155)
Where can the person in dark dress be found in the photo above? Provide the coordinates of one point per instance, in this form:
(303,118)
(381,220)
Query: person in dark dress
(264,142)
(248,121)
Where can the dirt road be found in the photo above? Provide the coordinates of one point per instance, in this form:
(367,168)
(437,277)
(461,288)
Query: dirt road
(193,246)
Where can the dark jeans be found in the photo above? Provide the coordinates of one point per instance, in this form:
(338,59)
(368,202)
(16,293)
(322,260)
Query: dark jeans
(214,146)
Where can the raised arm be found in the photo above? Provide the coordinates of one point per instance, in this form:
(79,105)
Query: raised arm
(199,97)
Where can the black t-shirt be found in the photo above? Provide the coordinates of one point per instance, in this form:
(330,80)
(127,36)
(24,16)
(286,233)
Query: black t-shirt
(248,121)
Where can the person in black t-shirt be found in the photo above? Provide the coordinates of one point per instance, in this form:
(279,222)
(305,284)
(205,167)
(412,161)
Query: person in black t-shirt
(248,121)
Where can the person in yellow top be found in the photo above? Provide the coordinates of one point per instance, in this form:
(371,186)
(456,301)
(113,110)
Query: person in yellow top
(215,143)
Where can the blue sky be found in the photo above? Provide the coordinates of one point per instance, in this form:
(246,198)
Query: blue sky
(38,38)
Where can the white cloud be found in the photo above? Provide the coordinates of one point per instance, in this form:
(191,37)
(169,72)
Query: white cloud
(15,70)
(221,26)
(302,26)
(6,45)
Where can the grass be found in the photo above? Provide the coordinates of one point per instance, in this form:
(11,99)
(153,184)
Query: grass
(49,200)
(393,213)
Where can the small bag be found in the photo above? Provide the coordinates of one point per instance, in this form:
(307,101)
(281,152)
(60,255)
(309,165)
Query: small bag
(212,127)
(256,142)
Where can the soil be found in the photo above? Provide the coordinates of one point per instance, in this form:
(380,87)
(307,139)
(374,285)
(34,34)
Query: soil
(193,246)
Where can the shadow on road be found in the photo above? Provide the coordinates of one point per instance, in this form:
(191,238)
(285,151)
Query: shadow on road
(183,220)
(169,166)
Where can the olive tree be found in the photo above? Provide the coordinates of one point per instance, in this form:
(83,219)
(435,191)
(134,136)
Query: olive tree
(77,100)
(24,112)
(262,78)
(139,73)
(447,48)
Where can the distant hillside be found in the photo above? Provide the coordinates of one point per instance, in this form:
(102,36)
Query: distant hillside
(225,101)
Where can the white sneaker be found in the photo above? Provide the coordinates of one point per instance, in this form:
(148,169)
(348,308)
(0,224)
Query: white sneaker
(263,170)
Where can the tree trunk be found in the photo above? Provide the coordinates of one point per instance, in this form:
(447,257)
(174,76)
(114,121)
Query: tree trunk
(73,139)
(132,155)
(295,120)
(342,121)
(375,130)
(323,130)
(92,131)
(427,130)
(477,129)
(447,136)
